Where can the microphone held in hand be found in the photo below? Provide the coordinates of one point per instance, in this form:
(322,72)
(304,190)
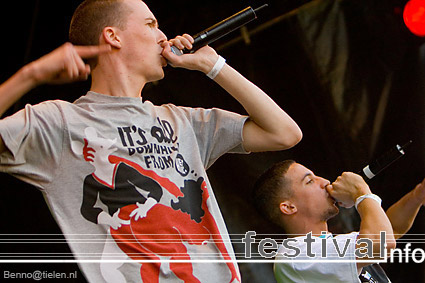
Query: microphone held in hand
(220,29)
(379,164)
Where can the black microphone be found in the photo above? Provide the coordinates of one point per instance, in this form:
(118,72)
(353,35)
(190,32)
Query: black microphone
(382,162)
(220,29)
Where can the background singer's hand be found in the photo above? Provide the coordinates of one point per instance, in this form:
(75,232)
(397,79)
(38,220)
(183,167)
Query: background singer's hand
(347,188)
(419,192)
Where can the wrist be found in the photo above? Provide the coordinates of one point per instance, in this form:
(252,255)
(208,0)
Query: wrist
(103,218)
(414,197)
(208,63)
(363,190)
(361,198)
(216,69)
(29,74)
(150,201)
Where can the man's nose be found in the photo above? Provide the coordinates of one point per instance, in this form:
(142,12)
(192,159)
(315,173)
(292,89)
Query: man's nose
(162,37)
(324,182)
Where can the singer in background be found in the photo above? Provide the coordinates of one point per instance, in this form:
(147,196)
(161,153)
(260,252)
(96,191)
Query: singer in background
(117,169)
(291,196)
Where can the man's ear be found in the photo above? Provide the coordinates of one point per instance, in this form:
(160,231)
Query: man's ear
(111,37)
(287,207)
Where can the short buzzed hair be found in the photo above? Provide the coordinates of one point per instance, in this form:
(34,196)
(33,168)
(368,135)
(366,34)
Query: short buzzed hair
(271,189)
(91,16)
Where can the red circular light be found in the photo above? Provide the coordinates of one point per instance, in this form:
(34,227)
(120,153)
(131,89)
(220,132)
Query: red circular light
(414,16)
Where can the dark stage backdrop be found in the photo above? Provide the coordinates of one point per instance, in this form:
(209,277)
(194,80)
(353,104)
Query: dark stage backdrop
(347,71)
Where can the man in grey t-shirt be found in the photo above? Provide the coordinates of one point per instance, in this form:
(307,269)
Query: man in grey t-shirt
(127,172)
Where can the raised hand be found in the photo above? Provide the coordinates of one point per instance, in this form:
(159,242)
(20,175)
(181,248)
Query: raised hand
(65,64)
(347,188)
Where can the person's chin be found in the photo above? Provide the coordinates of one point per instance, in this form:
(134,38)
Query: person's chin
(162,74)
(159,76)
(332,212)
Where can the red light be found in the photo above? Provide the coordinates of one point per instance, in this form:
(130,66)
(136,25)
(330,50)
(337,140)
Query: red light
(414,16)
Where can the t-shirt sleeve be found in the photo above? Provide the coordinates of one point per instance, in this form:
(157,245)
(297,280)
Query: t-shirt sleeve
(217,132)
(33,140)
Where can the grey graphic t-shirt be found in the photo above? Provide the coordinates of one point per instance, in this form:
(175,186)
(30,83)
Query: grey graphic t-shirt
(126,183)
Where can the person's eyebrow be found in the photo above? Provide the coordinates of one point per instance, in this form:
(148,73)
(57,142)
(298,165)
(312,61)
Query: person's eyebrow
(153,21)
(306,175)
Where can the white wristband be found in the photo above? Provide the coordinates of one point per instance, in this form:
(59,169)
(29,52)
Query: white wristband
(371,196)
(217,67)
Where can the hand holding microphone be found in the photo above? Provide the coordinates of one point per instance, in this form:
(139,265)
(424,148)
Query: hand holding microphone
(347,188)
(203,60)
